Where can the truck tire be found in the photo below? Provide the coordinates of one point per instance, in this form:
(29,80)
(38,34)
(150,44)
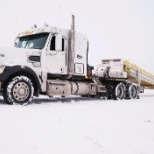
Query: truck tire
(18,90)
(133,92)
(119,91)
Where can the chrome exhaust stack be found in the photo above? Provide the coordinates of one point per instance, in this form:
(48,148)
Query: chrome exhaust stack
(71,50)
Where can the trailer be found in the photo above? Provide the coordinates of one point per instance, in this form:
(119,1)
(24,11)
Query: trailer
(123,79)
(54,61)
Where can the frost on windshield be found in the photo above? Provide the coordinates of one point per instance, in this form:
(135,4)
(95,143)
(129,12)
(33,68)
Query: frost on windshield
(36,41)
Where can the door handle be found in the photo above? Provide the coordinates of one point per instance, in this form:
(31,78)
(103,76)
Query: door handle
(52,53)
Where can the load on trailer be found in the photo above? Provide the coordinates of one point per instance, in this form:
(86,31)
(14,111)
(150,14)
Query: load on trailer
(54,61)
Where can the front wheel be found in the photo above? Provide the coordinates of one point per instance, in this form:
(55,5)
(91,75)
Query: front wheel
(18,91)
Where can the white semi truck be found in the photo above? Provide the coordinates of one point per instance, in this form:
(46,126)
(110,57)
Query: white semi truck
(54,61)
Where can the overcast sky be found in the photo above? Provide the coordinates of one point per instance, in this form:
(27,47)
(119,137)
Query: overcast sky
(115,28)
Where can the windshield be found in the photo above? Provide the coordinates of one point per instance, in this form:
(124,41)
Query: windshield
(36,41)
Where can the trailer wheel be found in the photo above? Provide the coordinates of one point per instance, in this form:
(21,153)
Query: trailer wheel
(119,91)
(19,91)
(133,92)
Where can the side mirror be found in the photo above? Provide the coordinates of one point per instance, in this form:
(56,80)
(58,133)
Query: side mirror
(59,42)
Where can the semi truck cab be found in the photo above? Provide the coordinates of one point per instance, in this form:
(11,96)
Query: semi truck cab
(48,49)
(48,60)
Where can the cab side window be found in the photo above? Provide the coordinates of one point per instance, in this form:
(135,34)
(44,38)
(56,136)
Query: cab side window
(63,44)
(53,43)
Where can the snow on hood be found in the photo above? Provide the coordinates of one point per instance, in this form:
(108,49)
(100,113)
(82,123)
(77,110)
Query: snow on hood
(15,56)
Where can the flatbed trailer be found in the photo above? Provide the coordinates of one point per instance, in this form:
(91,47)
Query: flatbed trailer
(122,78)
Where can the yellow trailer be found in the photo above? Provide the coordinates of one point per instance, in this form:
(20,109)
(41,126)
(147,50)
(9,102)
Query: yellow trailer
(138,75)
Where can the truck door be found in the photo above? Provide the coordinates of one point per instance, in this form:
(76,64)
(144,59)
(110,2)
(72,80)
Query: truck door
(56,55)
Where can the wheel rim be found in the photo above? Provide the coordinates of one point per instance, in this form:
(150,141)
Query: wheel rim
(120,91)
(20,91)
(133,92)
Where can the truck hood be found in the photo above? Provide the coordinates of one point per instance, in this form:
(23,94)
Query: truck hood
(16,56)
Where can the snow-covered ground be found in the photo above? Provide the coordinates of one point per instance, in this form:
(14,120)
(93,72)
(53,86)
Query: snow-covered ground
(78,126)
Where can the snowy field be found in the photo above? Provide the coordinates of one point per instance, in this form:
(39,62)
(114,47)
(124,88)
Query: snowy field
(78,126)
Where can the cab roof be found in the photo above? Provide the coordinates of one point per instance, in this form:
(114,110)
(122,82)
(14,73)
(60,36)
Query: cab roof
(48,29)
